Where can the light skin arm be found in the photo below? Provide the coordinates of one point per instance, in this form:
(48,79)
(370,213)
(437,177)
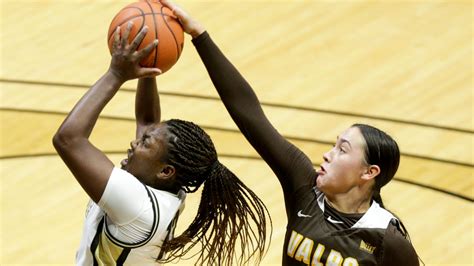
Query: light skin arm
(190,25)
(89,165)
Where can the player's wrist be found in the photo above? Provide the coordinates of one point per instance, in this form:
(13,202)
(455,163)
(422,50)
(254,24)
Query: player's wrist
(197,31)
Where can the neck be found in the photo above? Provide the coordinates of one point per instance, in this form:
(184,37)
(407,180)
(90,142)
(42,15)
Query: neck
(354,201)
(166,186)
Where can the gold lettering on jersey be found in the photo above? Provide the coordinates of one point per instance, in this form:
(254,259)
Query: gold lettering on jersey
(334,259)
(301,247)
(295,240)
(349,261)
(367,247)
(304,251)
(318,253)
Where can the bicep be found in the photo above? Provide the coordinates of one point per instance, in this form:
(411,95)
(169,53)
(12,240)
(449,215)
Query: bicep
(89,165)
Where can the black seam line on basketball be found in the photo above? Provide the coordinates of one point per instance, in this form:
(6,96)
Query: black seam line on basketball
(291,138)
(144,14)
(136,16)
(172,33)
(256,158)
(284,106)
(127,19)
(156,32)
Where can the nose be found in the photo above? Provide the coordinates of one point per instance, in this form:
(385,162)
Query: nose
(134,144)
(327,155)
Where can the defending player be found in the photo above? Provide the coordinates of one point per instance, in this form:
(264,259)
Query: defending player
(335,214)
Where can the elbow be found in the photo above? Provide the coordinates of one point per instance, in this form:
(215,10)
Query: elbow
(59,141)
(63,141)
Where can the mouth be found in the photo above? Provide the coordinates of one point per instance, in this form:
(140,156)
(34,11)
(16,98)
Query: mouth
(124,162)
(321,170)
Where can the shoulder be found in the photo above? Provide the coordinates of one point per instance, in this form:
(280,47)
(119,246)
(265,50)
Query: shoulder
(397,249)
(375,217)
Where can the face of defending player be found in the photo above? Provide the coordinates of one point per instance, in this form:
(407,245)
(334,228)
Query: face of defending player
(344,166)
(145,158)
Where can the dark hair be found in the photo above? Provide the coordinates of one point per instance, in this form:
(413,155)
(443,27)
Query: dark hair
(229,212)
(381,150)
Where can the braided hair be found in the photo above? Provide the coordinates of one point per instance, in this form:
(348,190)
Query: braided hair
(229,213)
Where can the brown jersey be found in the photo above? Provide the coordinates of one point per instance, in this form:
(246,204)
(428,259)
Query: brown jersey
(309,239)
(315,238)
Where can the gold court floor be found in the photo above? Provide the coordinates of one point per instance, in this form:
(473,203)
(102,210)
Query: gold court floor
(317,66)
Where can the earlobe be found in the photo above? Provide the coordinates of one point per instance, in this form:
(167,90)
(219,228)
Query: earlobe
(371,172)
(167,172)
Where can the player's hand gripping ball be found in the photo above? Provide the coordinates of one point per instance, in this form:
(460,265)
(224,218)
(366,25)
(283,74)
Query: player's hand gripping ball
(162,25)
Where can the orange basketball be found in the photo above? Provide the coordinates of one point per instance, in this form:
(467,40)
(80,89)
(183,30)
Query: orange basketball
(162,25)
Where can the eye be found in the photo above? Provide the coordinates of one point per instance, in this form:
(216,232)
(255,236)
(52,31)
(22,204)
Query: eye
(144,140)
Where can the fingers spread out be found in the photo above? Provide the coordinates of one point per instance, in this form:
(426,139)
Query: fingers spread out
(116,43)
(126,34)
(138,39)
(147,50)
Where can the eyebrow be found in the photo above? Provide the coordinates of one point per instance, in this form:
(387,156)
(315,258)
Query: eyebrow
(345,141)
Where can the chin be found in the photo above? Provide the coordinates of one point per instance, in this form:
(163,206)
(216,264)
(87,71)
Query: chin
(319,182)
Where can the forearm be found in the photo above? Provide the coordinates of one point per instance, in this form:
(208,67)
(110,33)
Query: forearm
(292,167)
(235,92)
(81,120)
(147,102)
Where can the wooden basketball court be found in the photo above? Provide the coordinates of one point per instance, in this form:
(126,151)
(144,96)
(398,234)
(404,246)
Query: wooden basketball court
(317,66)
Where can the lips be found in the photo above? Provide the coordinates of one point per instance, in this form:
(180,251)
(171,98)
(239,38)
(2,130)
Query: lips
(124,162)
(321,170)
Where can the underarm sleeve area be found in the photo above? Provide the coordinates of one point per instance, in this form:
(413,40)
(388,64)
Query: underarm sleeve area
(128,207)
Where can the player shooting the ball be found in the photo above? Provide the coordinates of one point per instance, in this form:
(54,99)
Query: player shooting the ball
(133,210)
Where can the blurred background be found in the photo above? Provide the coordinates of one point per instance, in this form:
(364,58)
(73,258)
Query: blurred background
(317,67)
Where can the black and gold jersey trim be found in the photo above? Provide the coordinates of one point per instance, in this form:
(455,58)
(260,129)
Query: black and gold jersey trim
(95,242)
(154,228)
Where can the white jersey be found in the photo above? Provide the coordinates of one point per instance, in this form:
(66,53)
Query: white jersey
(129,224)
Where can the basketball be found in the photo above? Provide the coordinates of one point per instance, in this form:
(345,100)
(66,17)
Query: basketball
(162,25)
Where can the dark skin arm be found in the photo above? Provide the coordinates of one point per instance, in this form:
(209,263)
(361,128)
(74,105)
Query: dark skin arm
(147,105)
(89,165)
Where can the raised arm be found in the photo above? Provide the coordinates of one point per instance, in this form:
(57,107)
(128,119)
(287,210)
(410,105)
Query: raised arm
(291,166)
(147,104)
(88,164)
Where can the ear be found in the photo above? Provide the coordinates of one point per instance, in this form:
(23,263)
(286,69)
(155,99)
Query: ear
(168,172)
(371,172)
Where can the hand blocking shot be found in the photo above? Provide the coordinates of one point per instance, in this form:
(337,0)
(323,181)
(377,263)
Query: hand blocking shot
(133,209)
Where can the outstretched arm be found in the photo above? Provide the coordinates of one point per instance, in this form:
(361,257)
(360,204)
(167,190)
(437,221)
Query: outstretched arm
(88,164)
(147,105)
(291,166)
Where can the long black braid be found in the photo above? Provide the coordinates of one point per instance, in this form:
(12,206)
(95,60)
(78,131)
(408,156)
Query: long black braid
(230,215)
